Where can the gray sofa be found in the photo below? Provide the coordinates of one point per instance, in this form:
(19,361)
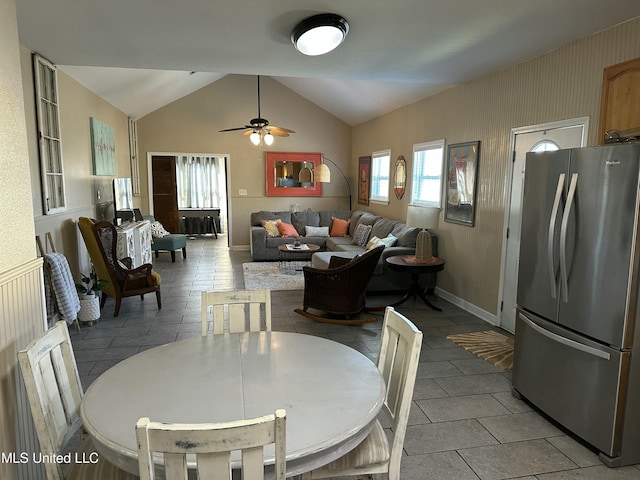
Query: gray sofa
(264,248)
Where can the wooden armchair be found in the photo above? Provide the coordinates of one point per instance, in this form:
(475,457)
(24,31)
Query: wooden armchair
(123,281)
(339,290)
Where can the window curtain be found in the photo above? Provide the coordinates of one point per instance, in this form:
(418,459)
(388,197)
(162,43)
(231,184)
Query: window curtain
(201,183)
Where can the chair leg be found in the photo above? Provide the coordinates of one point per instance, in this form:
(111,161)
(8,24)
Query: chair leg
(184,252)
(117,310)
(173,256)
(159,299)
(157,253)
(103,300)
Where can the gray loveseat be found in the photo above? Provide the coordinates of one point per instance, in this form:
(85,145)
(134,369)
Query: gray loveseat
(264,247)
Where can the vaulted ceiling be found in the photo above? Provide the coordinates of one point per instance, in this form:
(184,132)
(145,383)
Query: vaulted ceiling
(140,55)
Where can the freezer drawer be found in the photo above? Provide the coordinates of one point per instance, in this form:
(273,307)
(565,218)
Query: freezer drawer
(575,381)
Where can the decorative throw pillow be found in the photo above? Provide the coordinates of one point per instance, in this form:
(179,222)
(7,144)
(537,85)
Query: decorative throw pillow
(361,235)
(372,243)
(316,231)
(157,230)
(389,241)
(339,227)
(287,230)
(271,226)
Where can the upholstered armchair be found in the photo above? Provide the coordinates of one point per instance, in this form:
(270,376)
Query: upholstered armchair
(122,280)
(340,289)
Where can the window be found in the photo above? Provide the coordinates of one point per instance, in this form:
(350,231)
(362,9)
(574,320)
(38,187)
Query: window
(380,167)
(545,146)
(426,185)
(201,181)
(46,90)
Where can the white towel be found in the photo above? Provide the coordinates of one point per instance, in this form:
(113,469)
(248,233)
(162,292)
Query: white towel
(64,288)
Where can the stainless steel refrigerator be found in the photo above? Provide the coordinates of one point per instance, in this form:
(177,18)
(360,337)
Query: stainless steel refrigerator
(577,345)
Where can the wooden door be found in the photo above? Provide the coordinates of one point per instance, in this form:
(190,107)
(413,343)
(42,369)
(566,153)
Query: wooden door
(165,194)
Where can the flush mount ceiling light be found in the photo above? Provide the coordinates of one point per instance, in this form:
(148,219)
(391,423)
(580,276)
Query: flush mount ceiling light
(319,34)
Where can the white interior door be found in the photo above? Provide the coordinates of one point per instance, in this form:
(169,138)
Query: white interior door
(554,136)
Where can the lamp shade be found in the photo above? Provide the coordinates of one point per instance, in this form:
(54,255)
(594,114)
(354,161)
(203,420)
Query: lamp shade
(322,173)
(423,217)
(319,34)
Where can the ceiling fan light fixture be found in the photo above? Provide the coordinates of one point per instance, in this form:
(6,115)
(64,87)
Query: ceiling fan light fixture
(255,138)
(268,139)
(319,34)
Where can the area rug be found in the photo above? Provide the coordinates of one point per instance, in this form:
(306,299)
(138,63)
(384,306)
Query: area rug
(491,346)
(273,275)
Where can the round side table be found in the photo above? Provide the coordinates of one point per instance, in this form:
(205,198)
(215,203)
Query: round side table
(407,264)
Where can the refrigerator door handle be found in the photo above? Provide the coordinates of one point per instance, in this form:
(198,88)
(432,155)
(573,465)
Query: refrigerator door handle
(564,275)
(565,341)
(552,234)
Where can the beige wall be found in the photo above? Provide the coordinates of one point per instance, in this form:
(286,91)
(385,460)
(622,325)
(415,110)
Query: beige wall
(18,323)
(191,125)
(77,105)
(560,85)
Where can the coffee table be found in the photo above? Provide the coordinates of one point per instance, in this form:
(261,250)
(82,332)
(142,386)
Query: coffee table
(290,255)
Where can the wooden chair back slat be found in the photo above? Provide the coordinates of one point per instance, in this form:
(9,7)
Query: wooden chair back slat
(236,311)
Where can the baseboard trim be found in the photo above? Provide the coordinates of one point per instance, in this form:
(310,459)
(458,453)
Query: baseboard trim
(468,307)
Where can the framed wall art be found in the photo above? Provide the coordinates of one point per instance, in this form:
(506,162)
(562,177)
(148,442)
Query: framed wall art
(364,179)
(290,174)
(103,148)
(462,174)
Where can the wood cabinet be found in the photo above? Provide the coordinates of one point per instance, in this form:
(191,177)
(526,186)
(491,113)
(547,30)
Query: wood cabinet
(620,99)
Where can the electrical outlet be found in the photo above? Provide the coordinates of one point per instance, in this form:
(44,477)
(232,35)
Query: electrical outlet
(242,192)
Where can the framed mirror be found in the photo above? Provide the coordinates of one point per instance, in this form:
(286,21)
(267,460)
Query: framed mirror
(290,174)
(400,177)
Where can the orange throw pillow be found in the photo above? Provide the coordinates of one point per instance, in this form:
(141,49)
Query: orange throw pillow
(339,227)
(287,230)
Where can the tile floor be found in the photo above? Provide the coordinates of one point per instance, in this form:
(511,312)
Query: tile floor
(464,424)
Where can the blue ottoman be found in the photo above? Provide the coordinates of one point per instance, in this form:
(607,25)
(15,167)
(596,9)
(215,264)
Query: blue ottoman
(168,243)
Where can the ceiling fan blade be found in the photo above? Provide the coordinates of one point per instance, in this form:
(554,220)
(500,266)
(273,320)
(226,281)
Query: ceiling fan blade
(279,133)
(280,129)
(234,129)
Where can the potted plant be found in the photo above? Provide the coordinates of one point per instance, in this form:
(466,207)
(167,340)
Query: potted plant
(89,293)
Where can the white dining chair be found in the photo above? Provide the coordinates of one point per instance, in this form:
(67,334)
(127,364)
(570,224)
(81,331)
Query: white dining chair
(236,311)
(212,444)
(53,387)
(400,347)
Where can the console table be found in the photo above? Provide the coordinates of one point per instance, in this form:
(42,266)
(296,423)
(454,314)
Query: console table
(134,241)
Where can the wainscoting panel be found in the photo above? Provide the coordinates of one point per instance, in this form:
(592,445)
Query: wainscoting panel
(22,318)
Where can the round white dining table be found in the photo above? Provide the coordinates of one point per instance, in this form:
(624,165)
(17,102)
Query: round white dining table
(331,392)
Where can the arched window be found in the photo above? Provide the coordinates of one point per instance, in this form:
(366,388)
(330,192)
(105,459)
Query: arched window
(545,146)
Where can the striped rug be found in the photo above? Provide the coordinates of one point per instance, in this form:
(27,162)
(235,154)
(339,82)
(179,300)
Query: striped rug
(491,346)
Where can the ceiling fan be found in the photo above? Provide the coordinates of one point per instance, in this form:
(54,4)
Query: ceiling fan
(259,128)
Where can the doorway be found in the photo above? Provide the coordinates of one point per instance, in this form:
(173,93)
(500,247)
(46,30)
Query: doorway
(549,136)
(190,192)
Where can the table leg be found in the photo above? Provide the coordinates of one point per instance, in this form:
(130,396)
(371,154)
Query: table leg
(415,290)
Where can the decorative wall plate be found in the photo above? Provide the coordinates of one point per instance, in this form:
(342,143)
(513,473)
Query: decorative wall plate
(400,177)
